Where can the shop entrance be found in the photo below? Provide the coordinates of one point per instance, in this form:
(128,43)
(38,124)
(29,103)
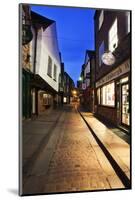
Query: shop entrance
(125,104)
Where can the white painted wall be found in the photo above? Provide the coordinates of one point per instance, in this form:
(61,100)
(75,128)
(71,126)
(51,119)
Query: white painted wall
(47,45)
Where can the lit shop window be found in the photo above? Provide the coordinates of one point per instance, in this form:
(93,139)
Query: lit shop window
(98,95)
(108,95)
(101,52)
(65,100)
(101,19)
(55,72)
(49,71)
(125,104)
(113,36)
(46,99)
(123,80)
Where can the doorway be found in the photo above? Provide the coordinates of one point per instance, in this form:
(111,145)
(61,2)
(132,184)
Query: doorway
(125,115)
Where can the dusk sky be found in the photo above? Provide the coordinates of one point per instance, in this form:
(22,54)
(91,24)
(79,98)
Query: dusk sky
(75,31)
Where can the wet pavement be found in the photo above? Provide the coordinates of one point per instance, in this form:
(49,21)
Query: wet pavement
(61,155)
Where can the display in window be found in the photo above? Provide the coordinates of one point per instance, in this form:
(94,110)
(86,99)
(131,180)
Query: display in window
(108,94)
(125,104)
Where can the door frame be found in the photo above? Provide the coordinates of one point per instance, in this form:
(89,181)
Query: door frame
(125,83)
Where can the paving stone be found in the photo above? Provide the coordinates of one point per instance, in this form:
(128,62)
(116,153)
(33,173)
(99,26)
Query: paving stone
(77,163)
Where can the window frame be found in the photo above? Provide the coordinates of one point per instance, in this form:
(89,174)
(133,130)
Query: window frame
(55,72)
(100,19)
(128,21)
(49,70)
(101,95)
(114,37)
(100,53)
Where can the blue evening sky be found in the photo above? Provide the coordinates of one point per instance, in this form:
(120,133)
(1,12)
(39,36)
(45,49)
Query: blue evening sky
(75,31)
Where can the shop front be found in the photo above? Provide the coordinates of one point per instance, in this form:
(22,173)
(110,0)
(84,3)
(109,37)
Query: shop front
(113,96)
(123,103)
(45,101)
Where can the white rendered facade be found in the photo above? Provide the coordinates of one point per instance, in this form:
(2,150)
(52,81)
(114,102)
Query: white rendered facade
(47,46)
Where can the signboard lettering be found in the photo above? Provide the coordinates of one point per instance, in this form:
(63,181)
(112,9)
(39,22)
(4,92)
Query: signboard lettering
(122,69)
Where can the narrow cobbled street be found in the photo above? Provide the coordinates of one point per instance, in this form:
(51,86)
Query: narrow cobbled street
(60,155)
(75,95)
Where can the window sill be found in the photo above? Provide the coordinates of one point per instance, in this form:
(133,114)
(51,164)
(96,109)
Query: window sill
(49,75)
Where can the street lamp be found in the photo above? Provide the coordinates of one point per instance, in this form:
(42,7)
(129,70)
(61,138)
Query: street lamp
(74,92)
(80,78)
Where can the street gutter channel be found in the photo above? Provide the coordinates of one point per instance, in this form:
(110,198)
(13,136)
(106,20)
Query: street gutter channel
(29,164)
(124,179)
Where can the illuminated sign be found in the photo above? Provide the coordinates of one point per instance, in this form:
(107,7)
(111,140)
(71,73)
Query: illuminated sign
(122,69)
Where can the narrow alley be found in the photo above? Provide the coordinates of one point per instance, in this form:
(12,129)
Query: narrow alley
(60,154)
(75,96)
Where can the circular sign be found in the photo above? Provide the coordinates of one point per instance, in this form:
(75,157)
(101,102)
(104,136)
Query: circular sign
(108,58)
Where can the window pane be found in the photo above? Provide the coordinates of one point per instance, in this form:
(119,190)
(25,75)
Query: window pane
(101,52)
(108,94)
(128,22)
(98,95)
(55,72)
(101,19)
(125,104)
(49,72)
(124,80)
(113,37)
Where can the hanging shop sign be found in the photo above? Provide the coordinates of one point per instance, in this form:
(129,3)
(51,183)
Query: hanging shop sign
(108,58)
(83,86)
(122,69)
